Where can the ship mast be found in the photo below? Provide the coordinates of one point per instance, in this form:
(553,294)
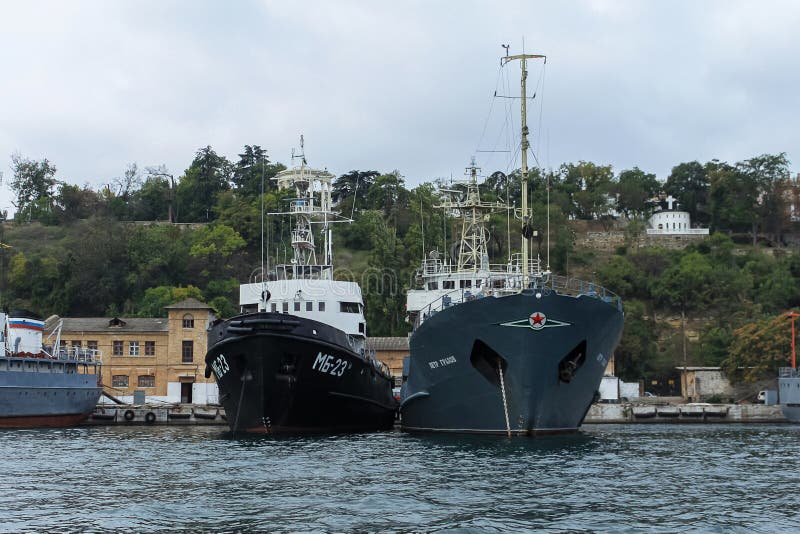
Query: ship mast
(524,149)
(310,205)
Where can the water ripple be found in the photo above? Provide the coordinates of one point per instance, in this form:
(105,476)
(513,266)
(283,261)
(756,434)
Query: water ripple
(654,478)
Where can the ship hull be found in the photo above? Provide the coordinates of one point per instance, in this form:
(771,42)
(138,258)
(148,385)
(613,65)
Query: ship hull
(789,391)
(553,350)
(46,398)
(279,373)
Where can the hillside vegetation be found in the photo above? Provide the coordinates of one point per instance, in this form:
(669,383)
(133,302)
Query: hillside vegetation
(150,238)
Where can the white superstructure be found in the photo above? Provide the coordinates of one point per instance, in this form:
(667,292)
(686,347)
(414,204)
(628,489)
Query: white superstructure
(305,287)
(445,283)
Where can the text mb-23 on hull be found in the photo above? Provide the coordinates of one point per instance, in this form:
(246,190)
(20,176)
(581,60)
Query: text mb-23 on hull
(296,360)
(503,348)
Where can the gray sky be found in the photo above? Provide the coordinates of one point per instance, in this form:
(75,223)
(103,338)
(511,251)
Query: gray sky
(96,85)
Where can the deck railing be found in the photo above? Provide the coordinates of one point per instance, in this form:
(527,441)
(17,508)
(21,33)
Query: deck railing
(546,282)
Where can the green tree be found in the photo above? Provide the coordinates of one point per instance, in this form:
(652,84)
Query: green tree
(758,349)
(634,189)
(151,201)
(389,195)
(213,250)
(201,184)
(351,189)
(769,176)
(74,203)
(158,256)
(621,276)
(252,168)
(734,196)
(33,186)
(157,298)
(689,183)
(636,353)
(588,185)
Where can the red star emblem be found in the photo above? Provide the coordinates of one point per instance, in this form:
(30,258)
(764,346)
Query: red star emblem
(537,320)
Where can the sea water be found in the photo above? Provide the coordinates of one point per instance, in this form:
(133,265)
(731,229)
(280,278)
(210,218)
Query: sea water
(669,478)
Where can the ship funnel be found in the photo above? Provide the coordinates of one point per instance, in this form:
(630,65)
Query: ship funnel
(25,329)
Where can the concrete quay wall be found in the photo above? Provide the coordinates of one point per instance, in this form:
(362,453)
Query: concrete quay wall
(683,413)
(157,415)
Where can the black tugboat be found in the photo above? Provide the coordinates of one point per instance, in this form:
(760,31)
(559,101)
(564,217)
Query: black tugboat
(296,359)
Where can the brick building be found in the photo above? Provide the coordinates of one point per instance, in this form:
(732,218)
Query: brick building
(391,351)
(163,357)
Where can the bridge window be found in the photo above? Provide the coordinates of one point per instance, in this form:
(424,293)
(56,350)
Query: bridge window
(285,307)
(448,284)
(274,307)
(433,285)
(321,306)
(348,307)
(309,306)
(465,284)
(297,306)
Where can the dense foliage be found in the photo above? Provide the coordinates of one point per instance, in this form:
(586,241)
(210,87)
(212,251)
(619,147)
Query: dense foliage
(149,238)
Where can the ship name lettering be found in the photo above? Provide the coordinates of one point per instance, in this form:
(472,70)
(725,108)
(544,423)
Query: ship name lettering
(441,362)
(325,363)
(220,366)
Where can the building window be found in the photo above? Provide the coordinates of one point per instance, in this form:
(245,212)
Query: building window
(309,306)
(321,306)
(296,306)
(187,352)
(119,381)
(91,345)
(285,307)
(147,381)
(274,307)
(76,344)
(133,348)
(188,321)
(149,348)
(117,348)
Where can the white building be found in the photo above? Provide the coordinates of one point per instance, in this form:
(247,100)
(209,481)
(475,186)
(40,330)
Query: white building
(672,221)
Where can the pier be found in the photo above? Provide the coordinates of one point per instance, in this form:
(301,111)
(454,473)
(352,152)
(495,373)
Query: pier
(683,413)
(147,414)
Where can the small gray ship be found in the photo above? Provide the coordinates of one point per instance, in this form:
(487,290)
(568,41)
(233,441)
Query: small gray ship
(44,385)
(789,393)
(507,348)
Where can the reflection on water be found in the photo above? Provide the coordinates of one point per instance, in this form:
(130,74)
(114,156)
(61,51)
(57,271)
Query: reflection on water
(608,478)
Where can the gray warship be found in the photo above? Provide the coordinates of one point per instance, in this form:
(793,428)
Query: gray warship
(506,348)
(44,385)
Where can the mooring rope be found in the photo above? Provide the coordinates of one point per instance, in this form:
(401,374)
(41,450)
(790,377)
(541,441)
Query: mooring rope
(503,389)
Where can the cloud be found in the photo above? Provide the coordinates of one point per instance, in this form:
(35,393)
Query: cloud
(96,85)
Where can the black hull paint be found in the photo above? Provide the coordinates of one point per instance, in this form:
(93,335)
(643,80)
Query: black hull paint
(279,373)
